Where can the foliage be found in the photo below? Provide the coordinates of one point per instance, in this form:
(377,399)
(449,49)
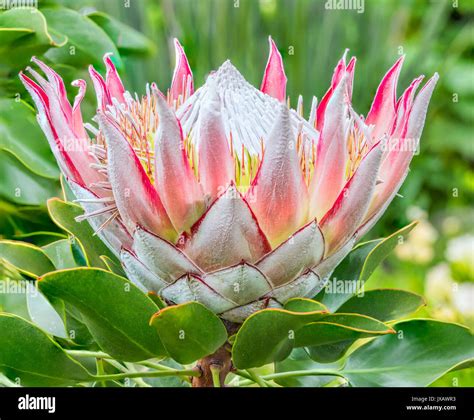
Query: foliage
(76,307)
(104,316)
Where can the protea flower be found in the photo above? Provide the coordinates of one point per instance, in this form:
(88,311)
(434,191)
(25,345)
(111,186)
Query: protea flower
(225,195)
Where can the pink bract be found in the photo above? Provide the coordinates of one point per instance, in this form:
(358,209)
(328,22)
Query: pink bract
(225,195)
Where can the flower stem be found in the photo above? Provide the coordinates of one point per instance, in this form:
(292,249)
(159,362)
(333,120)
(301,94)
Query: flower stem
(134,375)
(160,367)
(156,374)
(294,373)
(100,370)
(156,366)
(117,365)
(250,379)
(257,378)
(86,353)
(215,373)
(213,367)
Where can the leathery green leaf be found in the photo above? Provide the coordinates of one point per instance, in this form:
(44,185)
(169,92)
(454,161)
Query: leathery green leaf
(329,339)
(64,214)
(357,267)
(114,310)
(26,258)
(269,335)
(384,304)
(189,331)
(29,356)
(420,352)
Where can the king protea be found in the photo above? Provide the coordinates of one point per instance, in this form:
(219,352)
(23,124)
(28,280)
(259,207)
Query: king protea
(225,195)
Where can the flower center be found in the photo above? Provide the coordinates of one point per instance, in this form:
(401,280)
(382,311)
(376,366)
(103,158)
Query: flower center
(248,116)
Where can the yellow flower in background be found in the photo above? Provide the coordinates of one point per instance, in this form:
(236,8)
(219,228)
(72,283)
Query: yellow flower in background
(418,247)
(439,283)
(464,299)
(460,253)
(439,287)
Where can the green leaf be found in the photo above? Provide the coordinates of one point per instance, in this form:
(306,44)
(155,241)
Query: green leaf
(67,194)
(43,314)
(26,258)
(21,135)
(329,339)
(85,38)
(30,356)
(268,335)
(421,351)
(115,311)
(113,266)
(25,31)
(64,214)
(127,39)
(189,331)
(304,305)
(462,379)
(384,304)
(19,185)
(40,237)
(357,267)
(31,222)
(60,253)
(8,35)
(77,331)
(169,381)
(158,301)
(299,360)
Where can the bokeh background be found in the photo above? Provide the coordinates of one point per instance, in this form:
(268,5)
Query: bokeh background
(436,35)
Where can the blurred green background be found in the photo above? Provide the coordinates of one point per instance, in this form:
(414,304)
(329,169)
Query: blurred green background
(436,35)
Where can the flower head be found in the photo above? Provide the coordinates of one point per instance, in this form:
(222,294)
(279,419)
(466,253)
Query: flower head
(225,195)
